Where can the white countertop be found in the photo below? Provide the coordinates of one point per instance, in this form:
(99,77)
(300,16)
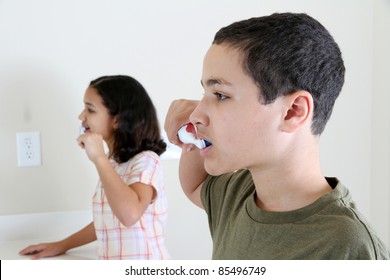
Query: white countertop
(9,250)
(19,231)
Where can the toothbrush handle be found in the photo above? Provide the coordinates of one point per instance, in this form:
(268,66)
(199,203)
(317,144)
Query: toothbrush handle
(189,138)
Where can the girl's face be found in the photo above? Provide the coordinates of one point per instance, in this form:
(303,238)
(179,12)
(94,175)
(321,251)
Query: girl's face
(244,133)
(96,118)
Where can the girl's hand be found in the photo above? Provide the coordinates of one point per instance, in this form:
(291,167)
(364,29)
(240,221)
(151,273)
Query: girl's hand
(44,250)
(93,145)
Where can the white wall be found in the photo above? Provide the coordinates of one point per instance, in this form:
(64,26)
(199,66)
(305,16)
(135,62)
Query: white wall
(380,161)
(50,50)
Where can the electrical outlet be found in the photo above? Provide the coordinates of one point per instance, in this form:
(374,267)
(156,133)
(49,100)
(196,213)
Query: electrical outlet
(28,148)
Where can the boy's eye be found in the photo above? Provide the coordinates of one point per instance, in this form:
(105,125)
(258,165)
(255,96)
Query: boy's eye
(220,96)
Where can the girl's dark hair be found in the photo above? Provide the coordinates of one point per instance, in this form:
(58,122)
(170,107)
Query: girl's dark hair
(287,52)
(138,128)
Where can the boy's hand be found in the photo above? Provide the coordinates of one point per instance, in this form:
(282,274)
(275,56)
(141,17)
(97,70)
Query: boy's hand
(178,115)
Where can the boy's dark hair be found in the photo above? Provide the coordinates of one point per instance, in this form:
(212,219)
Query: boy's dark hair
(287,52)
(138,128)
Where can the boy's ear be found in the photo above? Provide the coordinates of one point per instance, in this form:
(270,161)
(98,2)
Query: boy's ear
(299,110)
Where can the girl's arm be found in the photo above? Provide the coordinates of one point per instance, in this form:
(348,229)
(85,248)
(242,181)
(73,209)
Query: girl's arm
(82,237)
(128,203)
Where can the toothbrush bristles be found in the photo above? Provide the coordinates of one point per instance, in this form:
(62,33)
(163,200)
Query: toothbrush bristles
(207,143)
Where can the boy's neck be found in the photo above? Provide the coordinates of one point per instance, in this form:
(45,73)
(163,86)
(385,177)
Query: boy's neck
(288,195)
(292,184)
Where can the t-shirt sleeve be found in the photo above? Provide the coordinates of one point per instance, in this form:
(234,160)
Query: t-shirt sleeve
(220,195)
(145,168)
(212,195)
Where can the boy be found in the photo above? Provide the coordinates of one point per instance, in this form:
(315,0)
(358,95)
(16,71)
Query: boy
(270,85)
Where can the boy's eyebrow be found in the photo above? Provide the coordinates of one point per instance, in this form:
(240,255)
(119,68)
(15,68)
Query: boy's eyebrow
(212,82)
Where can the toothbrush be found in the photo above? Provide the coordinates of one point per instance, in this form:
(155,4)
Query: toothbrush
(187,136)
(81,129)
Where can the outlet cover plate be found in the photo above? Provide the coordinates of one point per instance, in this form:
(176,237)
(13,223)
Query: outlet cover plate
(28,146)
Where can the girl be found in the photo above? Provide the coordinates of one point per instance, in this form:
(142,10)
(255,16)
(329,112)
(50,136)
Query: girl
(129,206)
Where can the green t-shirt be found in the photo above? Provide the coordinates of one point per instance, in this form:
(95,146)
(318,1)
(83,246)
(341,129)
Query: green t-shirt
(329,228)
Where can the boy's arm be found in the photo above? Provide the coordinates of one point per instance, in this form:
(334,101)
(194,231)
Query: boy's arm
(191,168)
(192,174)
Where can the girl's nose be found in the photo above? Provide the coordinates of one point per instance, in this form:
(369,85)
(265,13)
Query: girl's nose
(81,116)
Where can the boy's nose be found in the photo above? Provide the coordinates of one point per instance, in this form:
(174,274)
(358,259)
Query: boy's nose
(199,116)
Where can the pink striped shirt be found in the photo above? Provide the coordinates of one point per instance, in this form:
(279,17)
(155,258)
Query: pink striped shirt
(145,239)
